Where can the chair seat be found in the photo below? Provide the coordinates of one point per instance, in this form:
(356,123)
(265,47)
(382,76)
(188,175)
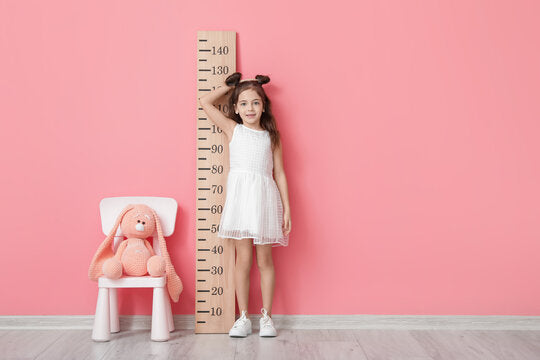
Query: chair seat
(133,282)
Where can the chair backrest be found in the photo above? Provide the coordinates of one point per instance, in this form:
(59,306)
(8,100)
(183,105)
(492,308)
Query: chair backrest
(165,209)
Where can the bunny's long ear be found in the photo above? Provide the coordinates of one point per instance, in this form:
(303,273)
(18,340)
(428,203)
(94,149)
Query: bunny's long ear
(174,284)
(105,250)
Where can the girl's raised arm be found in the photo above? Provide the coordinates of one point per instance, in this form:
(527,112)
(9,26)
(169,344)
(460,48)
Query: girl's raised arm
(214,114)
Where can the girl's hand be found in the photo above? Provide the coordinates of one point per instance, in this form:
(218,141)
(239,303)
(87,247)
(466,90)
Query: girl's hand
(286,223)
(224,86)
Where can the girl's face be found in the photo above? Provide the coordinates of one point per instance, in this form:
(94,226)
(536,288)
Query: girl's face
(249,107)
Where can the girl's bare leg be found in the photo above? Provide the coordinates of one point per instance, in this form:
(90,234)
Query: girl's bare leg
(244,259)
(266,268)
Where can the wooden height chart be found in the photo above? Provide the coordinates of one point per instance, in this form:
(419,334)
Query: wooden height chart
(215,292)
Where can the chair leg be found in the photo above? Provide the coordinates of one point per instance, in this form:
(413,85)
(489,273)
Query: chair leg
(113,305)
(160,326)
(102,329)
(168,309)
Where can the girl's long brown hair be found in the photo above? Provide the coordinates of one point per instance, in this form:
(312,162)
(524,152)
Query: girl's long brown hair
(268,122)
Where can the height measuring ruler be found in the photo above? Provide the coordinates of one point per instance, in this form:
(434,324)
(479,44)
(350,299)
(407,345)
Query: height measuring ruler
(215,291)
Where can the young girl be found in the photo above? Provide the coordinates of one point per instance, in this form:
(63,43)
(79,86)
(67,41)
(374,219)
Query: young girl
(256,207)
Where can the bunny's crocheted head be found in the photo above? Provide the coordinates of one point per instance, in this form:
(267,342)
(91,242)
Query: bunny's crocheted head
(137,221)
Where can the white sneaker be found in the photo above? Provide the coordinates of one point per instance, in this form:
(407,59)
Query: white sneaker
(242,326)
(266,325)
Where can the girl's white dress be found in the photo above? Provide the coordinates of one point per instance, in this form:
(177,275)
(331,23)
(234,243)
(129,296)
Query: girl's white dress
(253,207)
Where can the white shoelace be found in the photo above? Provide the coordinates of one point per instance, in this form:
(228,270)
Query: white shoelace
(266,320)
(240,322)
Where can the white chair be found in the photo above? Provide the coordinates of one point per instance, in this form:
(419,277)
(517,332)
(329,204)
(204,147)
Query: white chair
(106,320)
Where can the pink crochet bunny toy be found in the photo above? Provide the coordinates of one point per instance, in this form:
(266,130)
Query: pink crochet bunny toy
(135,256)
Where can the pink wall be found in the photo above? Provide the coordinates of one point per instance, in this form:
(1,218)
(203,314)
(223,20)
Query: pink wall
(410,132)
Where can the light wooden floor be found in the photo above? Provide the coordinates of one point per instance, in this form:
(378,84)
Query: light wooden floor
(290,344)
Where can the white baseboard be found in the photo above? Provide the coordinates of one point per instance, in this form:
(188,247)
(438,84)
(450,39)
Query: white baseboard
(388,322)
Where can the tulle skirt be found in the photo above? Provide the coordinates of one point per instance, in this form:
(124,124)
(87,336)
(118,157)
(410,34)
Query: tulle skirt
(253,209)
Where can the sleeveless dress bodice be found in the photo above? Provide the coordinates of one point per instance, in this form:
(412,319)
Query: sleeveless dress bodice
(251,151)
